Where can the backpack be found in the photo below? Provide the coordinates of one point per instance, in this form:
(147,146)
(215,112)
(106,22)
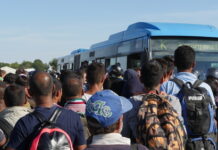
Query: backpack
(198,112)
(159,127)
(49,135)
(6,128)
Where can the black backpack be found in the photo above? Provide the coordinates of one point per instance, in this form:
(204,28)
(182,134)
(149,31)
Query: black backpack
(49,135)
(198,112)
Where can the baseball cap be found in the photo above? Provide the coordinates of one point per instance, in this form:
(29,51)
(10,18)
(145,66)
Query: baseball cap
(213,72)
(107,107)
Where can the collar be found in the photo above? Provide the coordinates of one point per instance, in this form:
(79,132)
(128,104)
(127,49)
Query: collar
(185,74)
(75,101)
(110,139)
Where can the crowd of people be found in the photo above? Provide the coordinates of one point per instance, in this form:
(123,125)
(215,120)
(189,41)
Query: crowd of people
(94,108)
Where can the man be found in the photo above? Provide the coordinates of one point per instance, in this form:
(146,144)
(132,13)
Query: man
(2,74)
(95,78)
(14,98)
(151,77)
(185,62)
(2,91)
(41,85)
(104,113)
(73,91)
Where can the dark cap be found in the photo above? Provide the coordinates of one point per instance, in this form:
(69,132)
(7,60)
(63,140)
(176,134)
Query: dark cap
(213,72)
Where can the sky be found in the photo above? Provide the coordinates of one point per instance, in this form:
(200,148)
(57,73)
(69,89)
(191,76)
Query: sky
(47,29)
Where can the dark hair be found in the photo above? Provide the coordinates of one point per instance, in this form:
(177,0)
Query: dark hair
(95,127)
(57,86)
(163,64)
(170,63)
(151,74)
(22,80)
(2,89)
(72,85)
(95,73)
(10,78)
(184,57)
(213,83)
(64,73)
(41,83)
(14,96)
(21,71)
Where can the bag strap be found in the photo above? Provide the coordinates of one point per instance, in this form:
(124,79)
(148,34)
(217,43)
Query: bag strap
(179,82)
(197,83)
(52,119)
(6,127)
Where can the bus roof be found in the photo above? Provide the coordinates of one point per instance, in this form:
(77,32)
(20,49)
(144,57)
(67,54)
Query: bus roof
(77,51)
(141,29)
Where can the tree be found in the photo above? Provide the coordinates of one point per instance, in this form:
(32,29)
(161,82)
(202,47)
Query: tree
(4,64)
(54,63)
(26,64)
(15,65)
(39,65)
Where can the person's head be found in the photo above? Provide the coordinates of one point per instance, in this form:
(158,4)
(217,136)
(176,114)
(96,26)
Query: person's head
(170,65)
(14,96)
(82,73)
(22,80)
(95,74)
(21,71)
(2,73)
(212,79)
(151,74)
(72,86)
(57,91)
(115,71)
(184,58)
(2,91)
(163,64)
(10,78)
(41,84)
(104,112)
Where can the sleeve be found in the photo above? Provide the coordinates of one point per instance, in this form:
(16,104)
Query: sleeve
(17,136)
(79,137)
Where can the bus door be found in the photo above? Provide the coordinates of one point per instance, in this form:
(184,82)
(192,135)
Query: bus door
(76,62)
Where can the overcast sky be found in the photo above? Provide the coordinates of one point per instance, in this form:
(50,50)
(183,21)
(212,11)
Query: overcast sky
(46,29)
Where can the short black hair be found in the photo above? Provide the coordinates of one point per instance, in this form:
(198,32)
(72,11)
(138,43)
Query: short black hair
(95,73)
(184,57)
(151,74)
(95,127)
(2,89)
(14,96)
(22,80)
(163,64)
(10,78)
(41,83)
(57,86)
(170,63)
(72,85)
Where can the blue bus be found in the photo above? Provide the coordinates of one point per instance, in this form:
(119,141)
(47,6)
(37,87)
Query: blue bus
(142,41)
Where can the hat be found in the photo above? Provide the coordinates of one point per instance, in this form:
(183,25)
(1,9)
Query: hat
(107,107)
(213,72)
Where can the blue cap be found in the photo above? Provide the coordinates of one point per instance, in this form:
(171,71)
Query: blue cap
(107,107)
(213,72)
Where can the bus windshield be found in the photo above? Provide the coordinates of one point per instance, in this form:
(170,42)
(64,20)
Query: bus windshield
(206,50)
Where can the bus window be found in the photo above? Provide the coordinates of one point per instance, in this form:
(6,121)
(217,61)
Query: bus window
(113,61)
(107,63)
(123,62)
(133,60)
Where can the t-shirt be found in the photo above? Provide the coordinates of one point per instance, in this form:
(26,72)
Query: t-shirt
(86,96)
(23,132)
